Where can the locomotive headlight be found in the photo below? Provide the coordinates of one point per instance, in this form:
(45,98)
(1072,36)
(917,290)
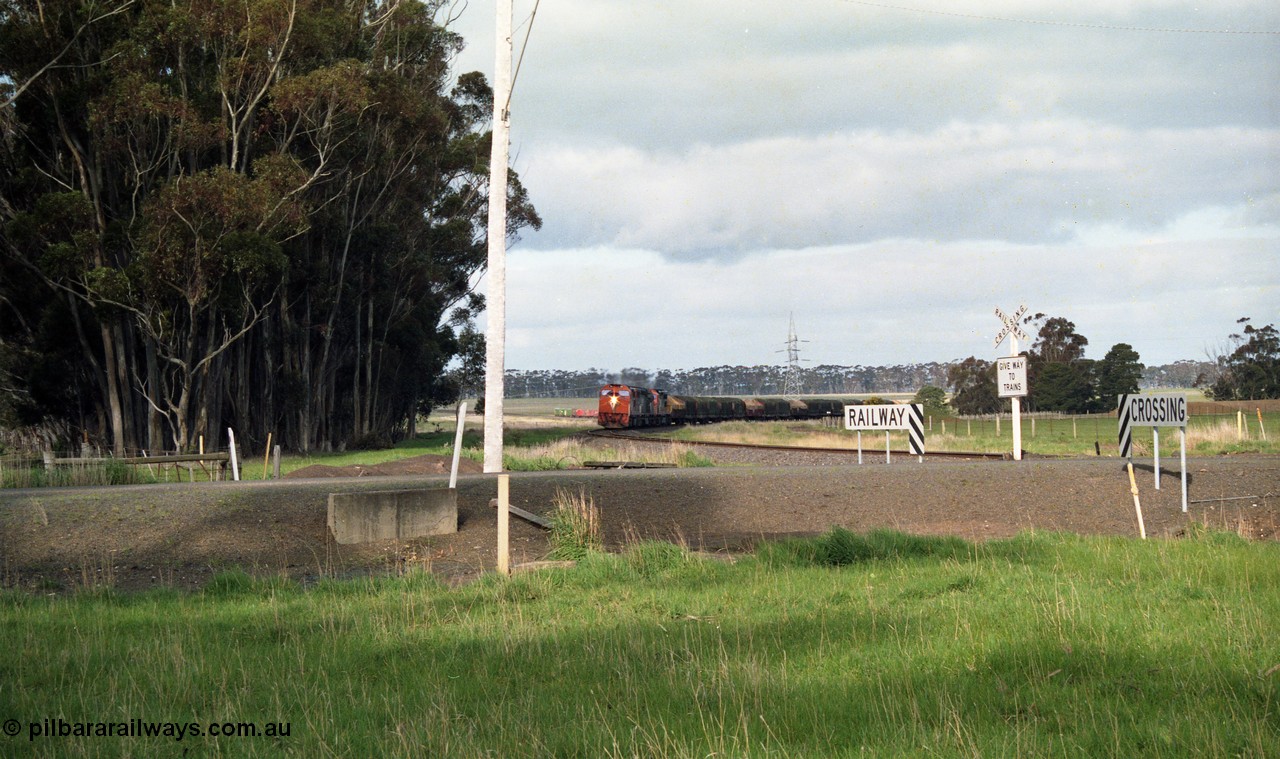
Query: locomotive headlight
(613,401)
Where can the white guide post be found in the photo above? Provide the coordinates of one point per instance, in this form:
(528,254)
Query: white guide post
(496,304)
(235,462)
(457,444)
(1155,446)
(1182,431)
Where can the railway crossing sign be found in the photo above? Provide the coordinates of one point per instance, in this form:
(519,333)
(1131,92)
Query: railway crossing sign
(1011,327)
(909,417)
(1154,411)
(1009,386)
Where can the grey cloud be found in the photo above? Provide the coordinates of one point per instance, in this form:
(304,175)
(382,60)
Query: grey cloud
(1023,183)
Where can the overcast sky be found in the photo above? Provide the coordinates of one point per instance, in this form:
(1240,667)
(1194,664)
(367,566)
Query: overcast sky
(888,174)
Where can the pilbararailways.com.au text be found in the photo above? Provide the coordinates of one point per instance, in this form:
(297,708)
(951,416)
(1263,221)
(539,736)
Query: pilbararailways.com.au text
(56,727)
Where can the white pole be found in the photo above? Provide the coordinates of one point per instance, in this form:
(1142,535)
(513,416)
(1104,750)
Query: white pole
(496,304)
(457,445)
(235,464)
(1182,432)
(886,447)
(1017,412)
(859,446)
(1155,444)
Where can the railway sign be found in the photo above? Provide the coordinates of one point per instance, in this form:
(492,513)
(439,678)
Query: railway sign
(909,417)
(1155,411)
(1011,376)
(1011,327)
(1012,331)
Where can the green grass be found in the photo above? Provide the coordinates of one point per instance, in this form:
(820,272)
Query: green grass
(876,645)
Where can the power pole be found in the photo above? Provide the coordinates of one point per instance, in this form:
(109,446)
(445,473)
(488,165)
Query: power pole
(496,303)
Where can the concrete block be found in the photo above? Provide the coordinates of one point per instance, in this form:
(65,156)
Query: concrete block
(392,514)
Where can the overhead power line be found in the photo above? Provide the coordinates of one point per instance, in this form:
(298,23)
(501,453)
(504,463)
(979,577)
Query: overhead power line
(528,30)
(1050,22)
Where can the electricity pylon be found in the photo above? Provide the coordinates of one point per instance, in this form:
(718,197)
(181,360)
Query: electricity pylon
(791,381)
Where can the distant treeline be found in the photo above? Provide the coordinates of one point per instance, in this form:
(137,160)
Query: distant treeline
(769,380)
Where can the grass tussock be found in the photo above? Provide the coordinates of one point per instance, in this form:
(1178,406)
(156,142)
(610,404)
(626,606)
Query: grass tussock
(880,644)
(575,526)
(26,475)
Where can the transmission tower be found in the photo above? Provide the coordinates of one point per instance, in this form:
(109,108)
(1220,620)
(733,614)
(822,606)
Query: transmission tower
(791,381)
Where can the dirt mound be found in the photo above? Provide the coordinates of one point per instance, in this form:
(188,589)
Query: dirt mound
(428,463)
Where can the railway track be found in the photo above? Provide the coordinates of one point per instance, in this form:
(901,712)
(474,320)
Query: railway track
(868,452)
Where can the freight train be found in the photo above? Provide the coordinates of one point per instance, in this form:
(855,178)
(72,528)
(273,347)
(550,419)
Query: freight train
(623,406)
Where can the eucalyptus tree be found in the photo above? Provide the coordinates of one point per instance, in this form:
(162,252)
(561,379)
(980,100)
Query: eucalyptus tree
(1251,371)
(258,212)
(973,387)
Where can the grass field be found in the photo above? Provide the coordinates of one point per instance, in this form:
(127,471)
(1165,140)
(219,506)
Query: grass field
(877,645)
(1085,435)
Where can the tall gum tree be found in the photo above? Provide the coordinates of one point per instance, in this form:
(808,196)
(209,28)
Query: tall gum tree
(253,213)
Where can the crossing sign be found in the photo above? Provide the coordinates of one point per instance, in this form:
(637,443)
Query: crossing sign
(1011,325)
(1012,378)
(1155,411)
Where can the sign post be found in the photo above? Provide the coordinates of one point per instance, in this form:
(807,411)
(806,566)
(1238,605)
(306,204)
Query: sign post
(1155,411)
(1012,331)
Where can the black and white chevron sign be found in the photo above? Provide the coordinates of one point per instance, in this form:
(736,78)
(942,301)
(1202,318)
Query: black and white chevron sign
(1126,430)
(915,430)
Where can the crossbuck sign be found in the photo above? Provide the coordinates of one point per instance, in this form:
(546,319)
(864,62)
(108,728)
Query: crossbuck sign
(1011,327)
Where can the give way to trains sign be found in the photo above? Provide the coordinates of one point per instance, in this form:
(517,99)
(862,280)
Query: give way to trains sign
(909,417)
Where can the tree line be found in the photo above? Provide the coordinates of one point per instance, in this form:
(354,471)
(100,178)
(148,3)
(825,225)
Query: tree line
(264,214)
(1060,378)
(827,379)
(1059,375)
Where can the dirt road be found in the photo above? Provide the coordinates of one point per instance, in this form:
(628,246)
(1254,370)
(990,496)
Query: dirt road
(180,535)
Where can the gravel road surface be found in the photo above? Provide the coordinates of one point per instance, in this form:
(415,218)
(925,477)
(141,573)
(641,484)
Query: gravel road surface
(180,535)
